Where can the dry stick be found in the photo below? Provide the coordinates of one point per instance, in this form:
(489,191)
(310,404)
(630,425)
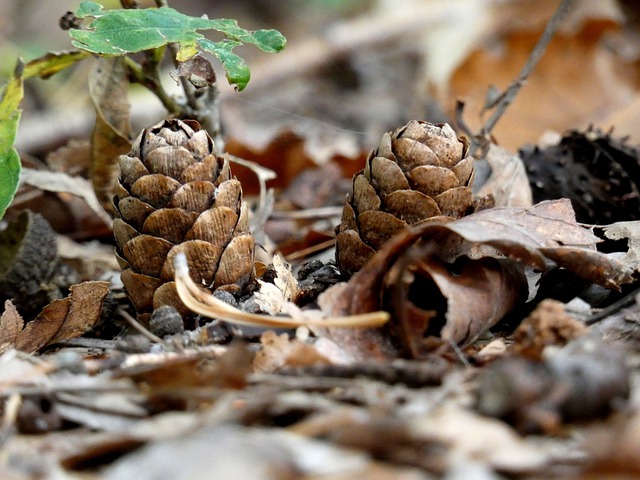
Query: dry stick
(139,328)
(507,97)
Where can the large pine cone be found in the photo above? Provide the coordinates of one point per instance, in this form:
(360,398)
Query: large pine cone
(417,172)
(175,195)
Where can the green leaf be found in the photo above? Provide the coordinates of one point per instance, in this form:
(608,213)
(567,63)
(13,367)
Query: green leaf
(9,120)
(237,71)
(120,32)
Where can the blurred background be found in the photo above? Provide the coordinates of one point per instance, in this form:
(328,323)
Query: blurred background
(353,69)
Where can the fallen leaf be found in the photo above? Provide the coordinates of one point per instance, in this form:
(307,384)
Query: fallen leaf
(629,231)
(508,182)
(61,182)
(578,81)
(280,351)
(108,88)
(542,236)
(66,318)
(11,324)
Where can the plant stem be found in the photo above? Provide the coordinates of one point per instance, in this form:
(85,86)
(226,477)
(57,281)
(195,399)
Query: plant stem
(203,107)
(507,97)
(151,82)
(189,90)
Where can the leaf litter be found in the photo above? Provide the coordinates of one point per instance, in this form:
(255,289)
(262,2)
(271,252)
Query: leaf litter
(475,373)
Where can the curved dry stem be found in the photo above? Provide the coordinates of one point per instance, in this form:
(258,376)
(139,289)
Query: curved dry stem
(203,303)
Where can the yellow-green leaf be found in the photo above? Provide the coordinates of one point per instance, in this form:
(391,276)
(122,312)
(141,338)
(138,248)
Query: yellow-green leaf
(9,120)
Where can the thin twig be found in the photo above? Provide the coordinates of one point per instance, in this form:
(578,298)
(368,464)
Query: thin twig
(189,90)
(508,96)
(139,328)
(615,307)
(151,82)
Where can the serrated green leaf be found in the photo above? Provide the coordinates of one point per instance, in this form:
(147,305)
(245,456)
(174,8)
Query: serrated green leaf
(120,32)
(9,158)
(53,62)
(236,70)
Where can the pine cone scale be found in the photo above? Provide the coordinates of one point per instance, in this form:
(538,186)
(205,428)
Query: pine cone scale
(431,180)
(155,190)
(411,206)
(171,224)
(386,176)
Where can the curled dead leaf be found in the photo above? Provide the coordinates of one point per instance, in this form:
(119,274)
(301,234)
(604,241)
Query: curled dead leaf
(495,243)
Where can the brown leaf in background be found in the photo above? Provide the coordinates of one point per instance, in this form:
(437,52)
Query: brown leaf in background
(578,81)
(66,318)
(62,182)
(108,87)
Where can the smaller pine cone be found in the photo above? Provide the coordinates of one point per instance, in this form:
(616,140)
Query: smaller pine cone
(420,171)
(176,195)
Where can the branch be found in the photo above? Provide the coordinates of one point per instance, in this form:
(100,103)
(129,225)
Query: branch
(507,97)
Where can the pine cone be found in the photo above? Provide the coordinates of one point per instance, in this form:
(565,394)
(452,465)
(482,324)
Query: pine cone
(175,195)
(419,171)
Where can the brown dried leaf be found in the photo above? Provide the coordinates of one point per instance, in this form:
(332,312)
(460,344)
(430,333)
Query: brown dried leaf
(11,324)
(110,137)
(279,351)
(508,182)
(66,318)
(62,182)
(629,231)
(198,70)
(594,84)
(456,304)
(540,236)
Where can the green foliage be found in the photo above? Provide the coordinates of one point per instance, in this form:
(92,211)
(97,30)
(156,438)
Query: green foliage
(120,32)
(9,158)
